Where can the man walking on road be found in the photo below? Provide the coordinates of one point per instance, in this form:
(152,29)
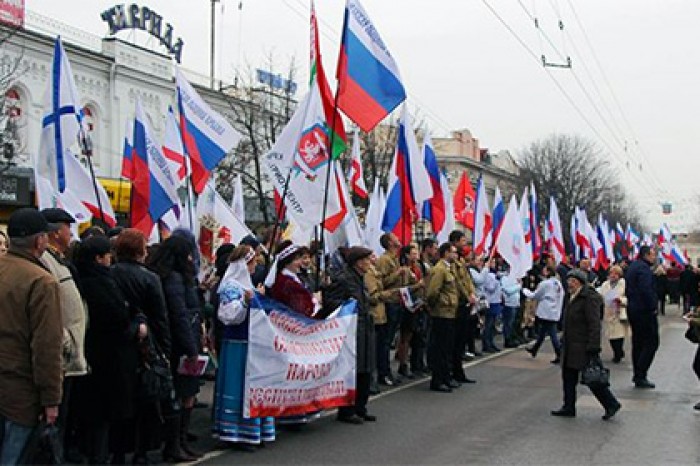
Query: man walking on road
(31,335)
(642,315)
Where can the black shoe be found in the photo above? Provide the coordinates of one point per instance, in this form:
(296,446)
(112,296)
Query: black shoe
(496,349)
(441,388)
(477,354)
(563,412)
(374,391)
(369,418)
(454,384)
(512,344)
(616,360)
(697,406)
(532,352)
(643,383)
(464,379)
(489,350)
(555,360)
(610,412)
(352,419)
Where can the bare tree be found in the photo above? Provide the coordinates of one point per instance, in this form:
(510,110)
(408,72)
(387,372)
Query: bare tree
(260,112)
(574,171)
(12,66)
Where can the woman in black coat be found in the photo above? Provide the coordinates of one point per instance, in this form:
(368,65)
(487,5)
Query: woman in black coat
(173,261)
(110,349)
(581,342)
(349,283)
(143,290)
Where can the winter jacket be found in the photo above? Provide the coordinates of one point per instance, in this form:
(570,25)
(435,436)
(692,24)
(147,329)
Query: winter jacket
(74,315)
(640,291)
(31,338)
(582,328)
(143,290)
(442,293)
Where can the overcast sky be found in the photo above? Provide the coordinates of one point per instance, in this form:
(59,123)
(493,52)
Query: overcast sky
(463,68)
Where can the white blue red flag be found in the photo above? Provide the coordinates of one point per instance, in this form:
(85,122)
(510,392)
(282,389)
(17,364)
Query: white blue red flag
(206,134)
(155,185)
(60,123)
(128,152)
(369,85)
(499,213)
(409,184)
(482,220)
(434,209)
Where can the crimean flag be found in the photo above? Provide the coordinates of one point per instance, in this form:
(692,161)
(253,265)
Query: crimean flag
(369,85)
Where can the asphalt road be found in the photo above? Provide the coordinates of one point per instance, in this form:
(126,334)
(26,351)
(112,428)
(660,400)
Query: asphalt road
(504,419)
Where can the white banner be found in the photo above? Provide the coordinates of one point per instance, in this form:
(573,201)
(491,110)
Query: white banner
(298,365)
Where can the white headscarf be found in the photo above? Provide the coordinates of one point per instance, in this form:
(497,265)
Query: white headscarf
(237,272)
(283,254)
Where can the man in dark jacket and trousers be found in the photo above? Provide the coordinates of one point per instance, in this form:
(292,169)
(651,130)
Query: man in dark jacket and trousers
(642,314)
(581,343)
(349,283)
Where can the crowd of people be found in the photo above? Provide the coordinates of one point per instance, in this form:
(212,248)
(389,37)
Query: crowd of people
(97,337)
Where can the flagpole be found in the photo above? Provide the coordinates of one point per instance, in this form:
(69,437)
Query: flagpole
(331,168)
(86,146)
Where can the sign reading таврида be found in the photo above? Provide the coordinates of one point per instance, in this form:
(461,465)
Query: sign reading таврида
(141,17)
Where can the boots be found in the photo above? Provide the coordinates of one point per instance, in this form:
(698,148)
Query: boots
(184,437)
(172,452)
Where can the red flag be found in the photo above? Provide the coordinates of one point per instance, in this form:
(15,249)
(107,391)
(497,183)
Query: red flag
(464,200)
(280,208)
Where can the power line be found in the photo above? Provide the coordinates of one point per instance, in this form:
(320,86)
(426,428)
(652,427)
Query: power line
(610,88)
(562,90)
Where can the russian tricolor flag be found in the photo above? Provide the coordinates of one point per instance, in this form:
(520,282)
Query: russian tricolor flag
(499,214)
(155,185)
(409,184)
(369,85)
(128,153)
(434,209)
(206,134)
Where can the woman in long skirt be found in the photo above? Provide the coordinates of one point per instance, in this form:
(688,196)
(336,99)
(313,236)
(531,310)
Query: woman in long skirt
(235,293)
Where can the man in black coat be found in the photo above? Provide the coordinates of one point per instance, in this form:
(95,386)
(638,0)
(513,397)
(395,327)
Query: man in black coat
(686,284)
(349,283)
(642,314)
(582,344)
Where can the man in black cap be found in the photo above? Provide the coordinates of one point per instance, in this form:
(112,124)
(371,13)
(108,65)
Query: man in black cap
(30,340)
(72,307)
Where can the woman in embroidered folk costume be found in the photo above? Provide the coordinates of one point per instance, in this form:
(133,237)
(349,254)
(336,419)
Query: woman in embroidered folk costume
(284,282)
(235,294)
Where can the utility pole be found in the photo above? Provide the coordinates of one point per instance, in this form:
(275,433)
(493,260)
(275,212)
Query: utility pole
(213,43)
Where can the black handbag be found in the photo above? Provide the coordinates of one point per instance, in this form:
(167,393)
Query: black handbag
(594,374)
(692,334)
(44,446)
(154,378)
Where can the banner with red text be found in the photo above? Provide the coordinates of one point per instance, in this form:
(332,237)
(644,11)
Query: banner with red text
(298,365)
